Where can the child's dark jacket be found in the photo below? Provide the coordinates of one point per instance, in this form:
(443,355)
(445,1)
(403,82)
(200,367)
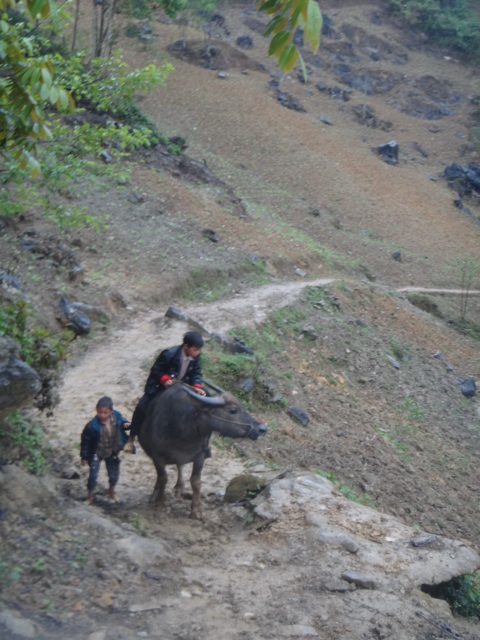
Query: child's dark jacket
(91,436)
(168,365)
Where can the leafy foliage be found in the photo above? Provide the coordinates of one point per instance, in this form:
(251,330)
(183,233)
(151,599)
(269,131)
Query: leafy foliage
(448,22)
(38,347)
(287,16)
(27,83)
(26,440)
(462,593)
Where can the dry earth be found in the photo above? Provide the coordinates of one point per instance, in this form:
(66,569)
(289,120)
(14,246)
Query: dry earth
(307,198)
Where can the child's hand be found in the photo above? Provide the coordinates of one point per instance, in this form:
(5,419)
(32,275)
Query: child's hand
(126,425)
(84,463)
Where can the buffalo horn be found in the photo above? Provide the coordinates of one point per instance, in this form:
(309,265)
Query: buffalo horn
(213,386)
(216,401)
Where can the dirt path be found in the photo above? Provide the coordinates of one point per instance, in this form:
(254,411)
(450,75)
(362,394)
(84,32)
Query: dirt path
(187,579)
(118,366)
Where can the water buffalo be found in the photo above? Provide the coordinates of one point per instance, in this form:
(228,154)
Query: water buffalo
(176,430)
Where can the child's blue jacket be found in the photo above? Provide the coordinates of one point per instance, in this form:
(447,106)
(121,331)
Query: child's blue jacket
(91,436)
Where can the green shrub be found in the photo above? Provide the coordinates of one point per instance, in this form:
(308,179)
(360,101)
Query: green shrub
(462,594)
(455,26)
(39,348)
(25,442)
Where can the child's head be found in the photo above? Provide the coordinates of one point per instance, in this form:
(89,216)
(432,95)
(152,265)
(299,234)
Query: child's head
(104,408)
(192,344)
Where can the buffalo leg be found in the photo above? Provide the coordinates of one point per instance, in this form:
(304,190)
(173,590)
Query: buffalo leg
(196,482)
(179,488)
(158,494)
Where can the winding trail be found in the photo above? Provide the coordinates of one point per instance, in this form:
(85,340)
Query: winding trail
(118,366)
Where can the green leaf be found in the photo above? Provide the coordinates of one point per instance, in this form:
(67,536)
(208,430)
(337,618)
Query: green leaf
(279,42)
(301,5)
(275,25)
(313,25)
(268,7)
(289,58)
(46,77)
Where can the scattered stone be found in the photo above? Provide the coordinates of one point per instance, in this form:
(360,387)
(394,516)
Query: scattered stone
(247,385)
(299,272)
(393,362)
(397,255)
(423,541)
(468,387)
(106,157)
(437,354)
(290,102)
(325,120)
(299,415)
(222,75)
(339,586)
(309,333)
(210,234)
(76,273)
(244,42)
(420,150)
(389,152)
(8,279)
(178,141)
(18,381)
(72,318)
(358,579)
(18,626)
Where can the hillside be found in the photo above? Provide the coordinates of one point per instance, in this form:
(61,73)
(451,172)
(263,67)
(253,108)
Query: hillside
(334,235)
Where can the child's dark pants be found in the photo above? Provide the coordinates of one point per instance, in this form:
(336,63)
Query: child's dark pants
(113,469)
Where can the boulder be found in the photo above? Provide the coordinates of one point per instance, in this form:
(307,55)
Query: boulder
(18,381)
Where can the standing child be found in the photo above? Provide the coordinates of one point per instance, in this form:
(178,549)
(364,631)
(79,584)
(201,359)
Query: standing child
(102,439)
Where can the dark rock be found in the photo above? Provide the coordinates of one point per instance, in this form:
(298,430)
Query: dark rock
(358,579)
(420,150)
(339,586)
(175,313)
(393,362)
(397,255)
(106,157)
(468,387)
(178,141)
(327,26)
(298,37)
(389,152)
(423,541)
(244,42)
(299,415)
(8,279)
(290,102)
(18,381)
(210,234)
(73,318)
(325,120)
(247,385)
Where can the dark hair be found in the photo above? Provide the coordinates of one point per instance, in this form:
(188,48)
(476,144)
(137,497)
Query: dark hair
(105,403)
(193,339)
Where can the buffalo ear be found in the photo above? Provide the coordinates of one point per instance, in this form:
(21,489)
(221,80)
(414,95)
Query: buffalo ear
(215,401)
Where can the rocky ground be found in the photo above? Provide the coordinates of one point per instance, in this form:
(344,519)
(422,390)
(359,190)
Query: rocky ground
(293,202)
